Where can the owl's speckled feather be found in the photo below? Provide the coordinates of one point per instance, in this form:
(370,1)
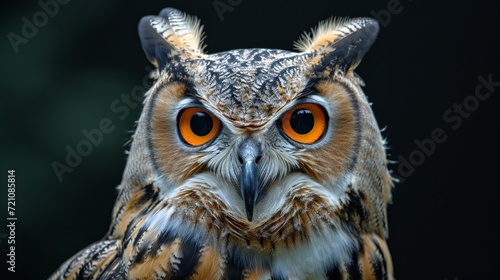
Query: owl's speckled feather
(250,201)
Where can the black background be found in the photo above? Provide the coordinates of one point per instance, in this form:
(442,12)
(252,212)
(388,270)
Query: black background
(428,57)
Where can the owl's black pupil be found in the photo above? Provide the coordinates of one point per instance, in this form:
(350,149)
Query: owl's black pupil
(302,121)
(201,123)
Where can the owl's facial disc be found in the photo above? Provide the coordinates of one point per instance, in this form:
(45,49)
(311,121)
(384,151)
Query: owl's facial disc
(249,154)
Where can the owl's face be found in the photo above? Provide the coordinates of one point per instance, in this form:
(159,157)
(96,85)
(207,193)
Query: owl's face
(255,123)
(258,150)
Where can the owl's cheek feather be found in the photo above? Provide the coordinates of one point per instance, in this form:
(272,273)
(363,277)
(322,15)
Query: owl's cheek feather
(339,150)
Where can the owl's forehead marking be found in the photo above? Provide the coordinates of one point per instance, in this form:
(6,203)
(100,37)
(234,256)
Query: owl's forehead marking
(249,85)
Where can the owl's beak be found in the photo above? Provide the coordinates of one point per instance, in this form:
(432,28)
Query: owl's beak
(249,155)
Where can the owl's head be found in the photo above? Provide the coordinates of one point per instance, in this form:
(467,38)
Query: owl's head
(259,144)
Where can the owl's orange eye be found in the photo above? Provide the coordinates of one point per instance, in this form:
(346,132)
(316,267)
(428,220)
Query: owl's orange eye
(197,126)
(305,123)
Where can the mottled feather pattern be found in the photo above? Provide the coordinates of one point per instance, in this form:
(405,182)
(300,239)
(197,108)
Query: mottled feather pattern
(250,201)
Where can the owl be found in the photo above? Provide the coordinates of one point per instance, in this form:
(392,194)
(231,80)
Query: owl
(249,164)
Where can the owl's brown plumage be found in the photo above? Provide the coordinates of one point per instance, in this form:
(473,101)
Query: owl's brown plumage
(249,164)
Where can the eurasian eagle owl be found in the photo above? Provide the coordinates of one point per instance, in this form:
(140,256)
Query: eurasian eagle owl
(249,164)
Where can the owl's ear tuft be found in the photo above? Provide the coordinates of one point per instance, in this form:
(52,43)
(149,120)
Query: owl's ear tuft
(338,44)
(172,33)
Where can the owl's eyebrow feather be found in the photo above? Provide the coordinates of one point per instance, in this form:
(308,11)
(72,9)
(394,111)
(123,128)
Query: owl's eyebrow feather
(190,90)
(309,89)
(192,95)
